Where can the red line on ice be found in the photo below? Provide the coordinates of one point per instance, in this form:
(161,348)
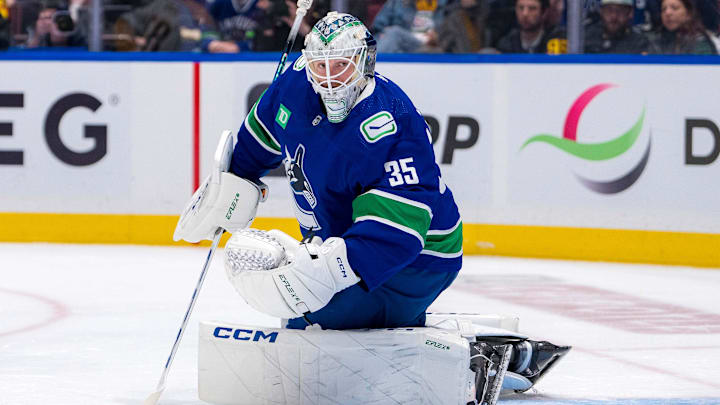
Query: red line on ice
(591,304)
(59,311)
(650,368)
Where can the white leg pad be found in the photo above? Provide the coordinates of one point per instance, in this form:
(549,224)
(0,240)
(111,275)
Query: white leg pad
(244,365)
(471,325)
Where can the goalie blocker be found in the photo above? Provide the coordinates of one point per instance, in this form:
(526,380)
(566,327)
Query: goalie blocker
(223,200)
(456,359)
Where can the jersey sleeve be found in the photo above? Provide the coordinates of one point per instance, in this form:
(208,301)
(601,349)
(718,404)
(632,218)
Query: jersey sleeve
(392,214)
(257,150)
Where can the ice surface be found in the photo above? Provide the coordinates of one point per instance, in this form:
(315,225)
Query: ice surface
(93,324)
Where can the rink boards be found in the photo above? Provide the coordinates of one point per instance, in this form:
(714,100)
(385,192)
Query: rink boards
(605,158)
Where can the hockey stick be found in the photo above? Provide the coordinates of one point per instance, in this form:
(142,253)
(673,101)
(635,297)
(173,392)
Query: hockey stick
(155,396)
(152,399)
(303,6)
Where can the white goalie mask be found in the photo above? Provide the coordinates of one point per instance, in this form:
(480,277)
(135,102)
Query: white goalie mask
(340,59)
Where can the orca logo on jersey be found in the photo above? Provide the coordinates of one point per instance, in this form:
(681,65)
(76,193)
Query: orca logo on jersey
(298,181)
(305,199)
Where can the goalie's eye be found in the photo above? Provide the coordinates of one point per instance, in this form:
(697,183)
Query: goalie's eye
(334,67)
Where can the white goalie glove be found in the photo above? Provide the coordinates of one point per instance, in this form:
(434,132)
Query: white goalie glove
(279,276)
(224,200)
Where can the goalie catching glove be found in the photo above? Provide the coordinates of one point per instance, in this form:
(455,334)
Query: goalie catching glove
(282,277)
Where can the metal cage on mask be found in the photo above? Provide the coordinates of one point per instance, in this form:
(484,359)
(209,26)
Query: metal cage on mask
(338,76)
(340,60)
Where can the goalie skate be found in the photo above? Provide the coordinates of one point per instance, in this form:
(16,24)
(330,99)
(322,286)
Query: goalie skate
(533,359)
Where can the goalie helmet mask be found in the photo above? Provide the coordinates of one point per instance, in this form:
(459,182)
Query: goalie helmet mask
(340,61)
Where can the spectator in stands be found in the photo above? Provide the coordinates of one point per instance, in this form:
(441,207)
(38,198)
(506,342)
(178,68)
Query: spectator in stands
(236,20)
(464,30)
(707,10)
(274,19)
(530,36)
(614,32)
(409,25)
(554,14)
(168,25)
(709,13)
(682,32)
(365,10)
(55,28)
(4,26)
(501,19)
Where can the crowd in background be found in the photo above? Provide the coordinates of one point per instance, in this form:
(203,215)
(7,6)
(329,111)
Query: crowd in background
(400,26)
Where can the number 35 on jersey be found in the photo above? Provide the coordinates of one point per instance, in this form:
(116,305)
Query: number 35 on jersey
(401,172)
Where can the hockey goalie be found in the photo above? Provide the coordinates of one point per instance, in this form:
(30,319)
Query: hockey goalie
(382,239)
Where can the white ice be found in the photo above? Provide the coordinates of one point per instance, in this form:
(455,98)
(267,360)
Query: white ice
(94,324)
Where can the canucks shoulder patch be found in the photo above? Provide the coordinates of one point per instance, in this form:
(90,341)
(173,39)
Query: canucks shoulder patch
(378,126)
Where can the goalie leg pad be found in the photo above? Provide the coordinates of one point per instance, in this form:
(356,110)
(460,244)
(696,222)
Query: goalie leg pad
(472,325)
(243,365)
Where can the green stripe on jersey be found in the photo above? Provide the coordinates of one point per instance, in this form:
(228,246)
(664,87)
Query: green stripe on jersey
(260,132)
(401,213)
(444,242)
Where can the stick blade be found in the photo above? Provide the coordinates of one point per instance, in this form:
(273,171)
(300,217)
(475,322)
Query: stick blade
(153,398)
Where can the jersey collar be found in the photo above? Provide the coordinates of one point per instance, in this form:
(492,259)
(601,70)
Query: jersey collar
(367,91)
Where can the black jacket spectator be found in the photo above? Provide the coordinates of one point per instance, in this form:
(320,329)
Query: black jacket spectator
(627,41)
(4,33)
(531,35)
(501,19)
(166,25)
(274,19)
(512,43)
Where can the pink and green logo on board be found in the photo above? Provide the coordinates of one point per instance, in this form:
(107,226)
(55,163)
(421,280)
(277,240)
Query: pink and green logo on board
(602,151)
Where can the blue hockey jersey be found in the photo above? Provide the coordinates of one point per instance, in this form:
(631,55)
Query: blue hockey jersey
(370,179)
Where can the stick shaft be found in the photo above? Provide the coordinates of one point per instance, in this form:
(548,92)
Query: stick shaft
(193,300)
(303,6)
(301,11)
